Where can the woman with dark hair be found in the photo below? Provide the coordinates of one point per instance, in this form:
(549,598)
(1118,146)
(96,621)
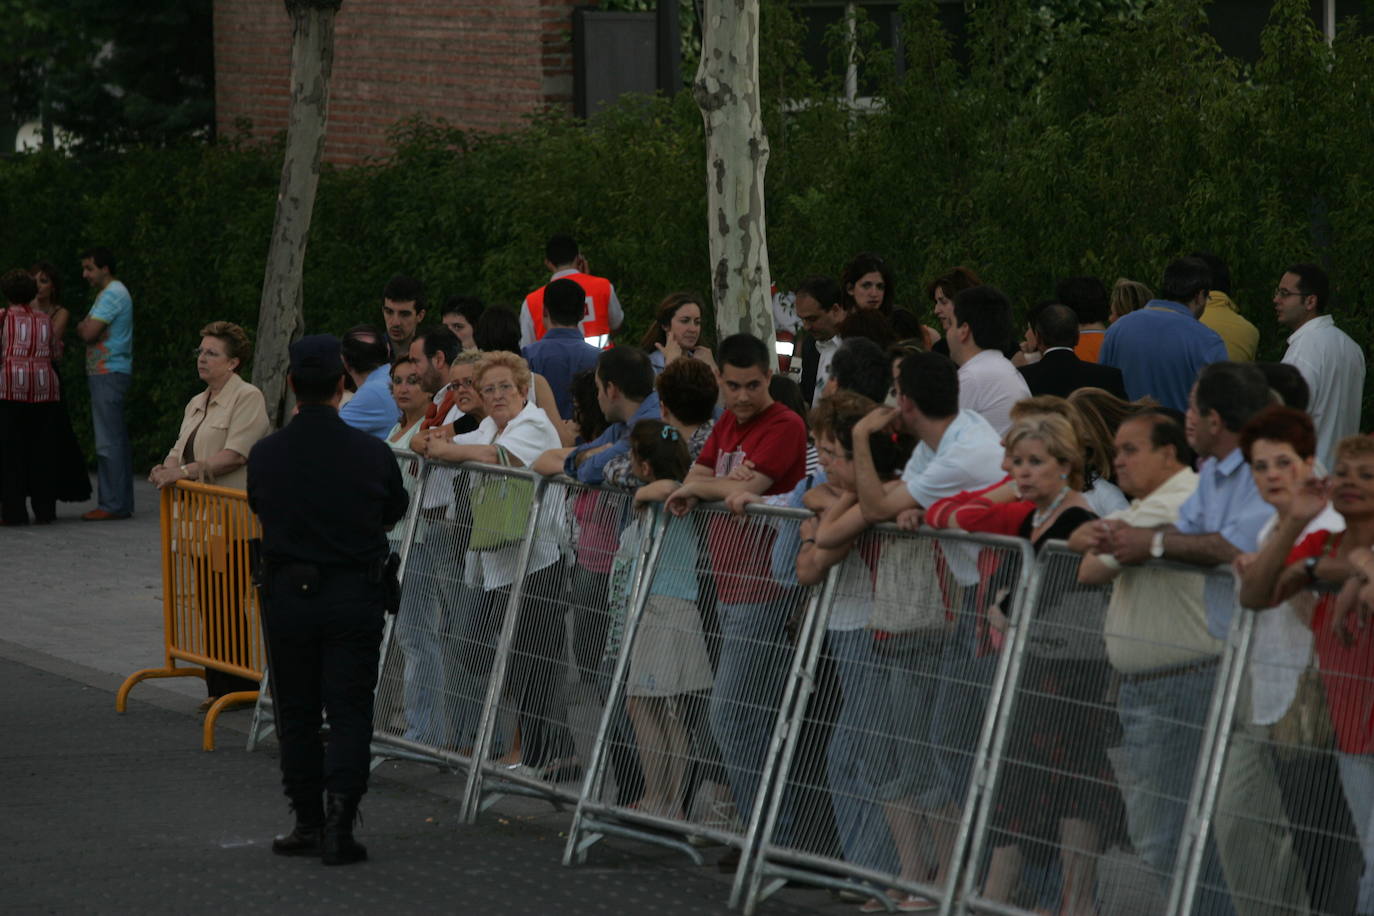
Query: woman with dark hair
(498,331)
(871,325)
(1322,530)
(942,291)
(460,315)
(676,331)
(867,283)
(69,463)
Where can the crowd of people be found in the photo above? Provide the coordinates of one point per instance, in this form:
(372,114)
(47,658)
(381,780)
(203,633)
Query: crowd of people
(1132,426)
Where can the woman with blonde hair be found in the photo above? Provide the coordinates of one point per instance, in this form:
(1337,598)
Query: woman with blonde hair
(1056,783)
(1127,297)
(1096,416)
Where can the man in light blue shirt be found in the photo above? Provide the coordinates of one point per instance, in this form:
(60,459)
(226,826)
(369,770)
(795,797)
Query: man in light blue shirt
(1160,348)
(366,358)
(108,330)
(1219,521)
(626,395)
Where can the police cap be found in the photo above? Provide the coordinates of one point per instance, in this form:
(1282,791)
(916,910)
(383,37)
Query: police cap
(316,357)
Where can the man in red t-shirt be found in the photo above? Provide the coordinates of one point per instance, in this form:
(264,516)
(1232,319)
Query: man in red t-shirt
(768,440)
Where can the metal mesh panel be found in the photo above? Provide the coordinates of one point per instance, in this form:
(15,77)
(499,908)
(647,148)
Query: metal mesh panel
(706,668)
(439,654)
(879,774)
(215,608)
(1289,793)
(1110,714)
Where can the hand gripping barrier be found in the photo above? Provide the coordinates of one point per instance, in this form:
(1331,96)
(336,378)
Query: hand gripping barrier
(210,610)
(1106,756)
(709,664)
(901,683)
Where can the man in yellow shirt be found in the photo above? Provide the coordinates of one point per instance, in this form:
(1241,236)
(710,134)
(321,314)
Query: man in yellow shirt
(1223,315)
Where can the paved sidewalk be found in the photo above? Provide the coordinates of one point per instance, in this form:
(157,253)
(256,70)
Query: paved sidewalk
(121,814)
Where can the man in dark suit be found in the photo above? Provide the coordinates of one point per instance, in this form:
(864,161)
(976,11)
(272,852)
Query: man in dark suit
(1060,371)
(821,313)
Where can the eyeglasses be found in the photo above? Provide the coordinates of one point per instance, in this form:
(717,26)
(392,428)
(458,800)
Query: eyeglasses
(465,383)
(490,391)
(198,352)
(1282,293)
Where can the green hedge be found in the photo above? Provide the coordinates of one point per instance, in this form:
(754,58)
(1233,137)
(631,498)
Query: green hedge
(1117,145)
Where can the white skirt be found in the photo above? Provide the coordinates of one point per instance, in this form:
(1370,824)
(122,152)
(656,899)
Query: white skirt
(669,655)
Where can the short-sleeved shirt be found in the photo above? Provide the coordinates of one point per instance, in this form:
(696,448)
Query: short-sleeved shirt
(372,410)
(26,372)
(774,442)
(236,418)
(1346,670)
(529,434)
(991,385)
(1240,336)
(1160,349)
(1228,503)
(1157,619)
(115,352)
(1089,346)
(969,457)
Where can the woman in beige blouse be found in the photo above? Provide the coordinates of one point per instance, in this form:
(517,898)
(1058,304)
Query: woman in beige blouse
(219,429)
(222,423)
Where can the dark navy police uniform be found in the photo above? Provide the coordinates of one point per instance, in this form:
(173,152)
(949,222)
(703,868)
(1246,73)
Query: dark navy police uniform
(325,494)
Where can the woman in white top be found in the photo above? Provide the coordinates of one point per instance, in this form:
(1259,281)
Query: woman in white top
(411,400)
(517,427)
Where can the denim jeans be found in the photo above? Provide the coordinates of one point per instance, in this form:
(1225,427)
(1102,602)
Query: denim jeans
(1162,723)
(854,770)
(965,683)
(750,678)
(114,455)
(417,634)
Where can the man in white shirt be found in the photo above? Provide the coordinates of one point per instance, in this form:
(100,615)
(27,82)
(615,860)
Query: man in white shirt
(820,311)
(1328,359)
(982,329)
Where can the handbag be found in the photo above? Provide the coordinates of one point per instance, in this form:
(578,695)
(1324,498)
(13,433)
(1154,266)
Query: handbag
(904,594)
(500,509)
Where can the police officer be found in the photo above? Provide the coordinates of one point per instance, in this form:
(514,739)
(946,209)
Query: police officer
(326,494)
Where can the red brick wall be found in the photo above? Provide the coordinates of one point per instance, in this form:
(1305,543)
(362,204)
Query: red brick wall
(480,66)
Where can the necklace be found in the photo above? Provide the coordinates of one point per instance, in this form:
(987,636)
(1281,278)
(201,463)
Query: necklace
(1039,515)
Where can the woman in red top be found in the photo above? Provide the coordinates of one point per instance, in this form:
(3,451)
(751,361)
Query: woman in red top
(1055,790)
(29,405)
(1341,630)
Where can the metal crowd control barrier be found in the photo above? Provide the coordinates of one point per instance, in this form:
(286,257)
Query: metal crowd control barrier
(901,686)
(1289,790)
(209,607)
(1114,709)
(710,662)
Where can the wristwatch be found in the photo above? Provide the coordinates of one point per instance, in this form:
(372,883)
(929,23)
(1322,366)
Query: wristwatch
(1309,566)
(1157,545)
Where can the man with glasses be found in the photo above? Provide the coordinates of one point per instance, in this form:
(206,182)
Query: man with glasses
(1328,359)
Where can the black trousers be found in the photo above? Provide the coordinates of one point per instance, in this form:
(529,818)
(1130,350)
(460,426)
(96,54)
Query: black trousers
(26,474)
(323,649)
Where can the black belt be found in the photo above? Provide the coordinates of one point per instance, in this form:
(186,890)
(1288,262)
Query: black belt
(1147,676)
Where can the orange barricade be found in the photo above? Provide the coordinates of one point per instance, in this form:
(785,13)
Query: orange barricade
(210,609)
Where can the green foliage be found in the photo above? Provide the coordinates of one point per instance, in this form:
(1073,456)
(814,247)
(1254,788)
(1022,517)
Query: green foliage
(1134,140)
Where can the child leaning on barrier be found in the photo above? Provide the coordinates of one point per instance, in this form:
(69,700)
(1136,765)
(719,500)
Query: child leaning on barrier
(668,660)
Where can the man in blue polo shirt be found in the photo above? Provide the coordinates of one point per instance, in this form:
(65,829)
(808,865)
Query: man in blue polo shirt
(1160,348)
(562,352)
(367,357)
(625,391)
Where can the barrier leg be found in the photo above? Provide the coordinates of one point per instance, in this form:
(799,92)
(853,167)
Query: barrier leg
(122,697)
(238,698)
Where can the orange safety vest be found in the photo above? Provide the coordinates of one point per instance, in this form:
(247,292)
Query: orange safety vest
(596,319)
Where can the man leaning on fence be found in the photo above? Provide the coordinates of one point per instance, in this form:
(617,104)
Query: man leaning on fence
(325,494)
(766,438)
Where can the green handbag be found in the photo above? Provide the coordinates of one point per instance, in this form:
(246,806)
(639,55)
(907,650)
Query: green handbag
(500,509)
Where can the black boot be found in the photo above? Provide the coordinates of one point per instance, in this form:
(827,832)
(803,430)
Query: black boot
(339,847)
(304,838)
